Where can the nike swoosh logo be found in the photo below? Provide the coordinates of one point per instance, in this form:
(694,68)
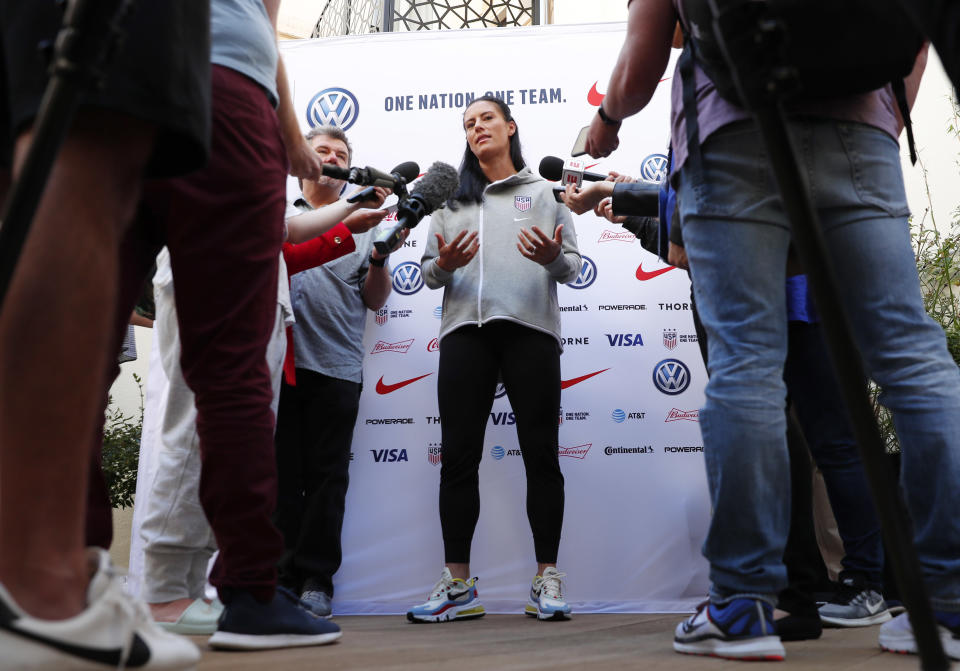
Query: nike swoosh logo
(139,651)
(387,388)
(566,384)
(874,608)
(521,218)
(453,596)
(644,275)
(595,97)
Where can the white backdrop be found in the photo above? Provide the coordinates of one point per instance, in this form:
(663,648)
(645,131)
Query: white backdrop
(636,499)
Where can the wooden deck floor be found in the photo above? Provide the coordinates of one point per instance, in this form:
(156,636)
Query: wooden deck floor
(597,641)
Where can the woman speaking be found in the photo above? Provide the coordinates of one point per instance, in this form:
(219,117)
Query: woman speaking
(498,249)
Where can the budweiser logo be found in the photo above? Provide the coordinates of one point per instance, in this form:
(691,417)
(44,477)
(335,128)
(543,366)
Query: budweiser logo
(401,347)
(676,415)
(616,236)
(578,452)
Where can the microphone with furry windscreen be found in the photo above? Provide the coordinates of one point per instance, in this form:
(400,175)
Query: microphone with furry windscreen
(435,188)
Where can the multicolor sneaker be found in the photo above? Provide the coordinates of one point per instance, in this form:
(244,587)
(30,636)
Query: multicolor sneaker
(738,629)
(546,597)
(451,599)
(897,634)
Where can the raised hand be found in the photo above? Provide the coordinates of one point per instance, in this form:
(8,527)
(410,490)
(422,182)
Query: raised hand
(538,246)
(458,252)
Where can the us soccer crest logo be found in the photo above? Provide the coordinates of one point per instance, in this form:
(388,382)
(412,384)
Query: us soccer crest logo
(670,338)
(433,454)
(523,203)
(382,315)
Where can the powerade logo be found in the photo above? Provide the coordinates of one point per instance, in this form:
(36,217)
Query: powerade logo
(671,376)
(618,416)
(587,276)
(407,278)
(497,452)
(654,168)
(333,107)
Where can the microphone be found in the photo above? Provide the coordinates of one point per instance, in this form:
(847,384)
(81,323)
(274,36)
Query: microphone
(567,172)
(396,180)
(436,187)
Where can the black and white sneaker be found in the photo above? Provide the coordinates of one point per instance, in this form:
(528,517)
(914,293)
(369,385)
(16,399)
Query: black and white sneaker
(855,605)
(114,632)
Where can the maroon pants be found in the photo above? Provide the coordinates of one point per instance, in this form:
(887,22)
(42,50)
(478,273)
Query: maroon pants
(224,228)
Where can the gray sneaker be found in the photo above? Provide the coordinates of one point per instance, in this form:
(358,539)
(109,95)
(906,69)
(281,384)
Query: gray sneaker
(317,602)
(855,606)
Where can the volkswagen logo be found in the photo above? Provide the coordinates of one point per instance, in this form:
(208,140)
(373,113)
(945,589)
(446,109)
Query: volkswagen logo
(407,278)
(654,168)
(333,107)
(587,276)
(671,376)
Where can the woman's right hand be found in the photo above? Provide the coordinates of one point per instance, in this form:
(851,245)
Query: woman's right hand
(458,252)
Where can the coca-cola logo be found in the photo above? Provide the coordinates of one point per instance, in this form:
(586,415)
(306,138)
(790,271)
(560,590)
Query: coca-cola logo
(433,345)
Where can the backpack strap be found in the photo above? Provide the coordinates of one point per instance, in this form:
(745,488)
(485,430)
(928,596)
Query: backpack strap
(900,93)
(687,68)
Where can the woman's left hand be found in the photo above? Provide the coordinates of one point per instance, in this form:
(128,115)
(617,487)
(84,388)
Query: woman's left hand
(538,246)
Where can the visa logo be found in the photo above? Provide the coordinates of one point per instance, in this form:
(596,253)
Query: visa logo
(389,455)
(503,418)
(624,339)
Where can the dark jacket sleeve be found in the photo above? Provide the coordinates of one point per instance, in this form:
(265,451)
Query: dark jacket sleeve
(636,199)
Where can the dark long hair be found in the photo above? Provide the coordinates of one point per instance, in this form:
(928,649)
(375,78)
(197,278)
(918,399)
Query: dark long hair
(472,179)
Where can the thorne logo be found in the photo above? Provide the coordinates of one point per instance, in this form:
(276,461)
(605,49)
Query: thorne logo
(610,450)
(434,454)
(568,342)
(433,345)
(674,306)
(676,415)
(503,418)
(389,455)
(624,339)
(333,107)
(578,452)
(617,236)
(390,420)
(401,347)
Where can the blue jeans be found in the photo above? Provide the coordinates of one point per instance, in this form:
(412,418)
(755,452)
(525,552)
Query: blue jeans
(736,237)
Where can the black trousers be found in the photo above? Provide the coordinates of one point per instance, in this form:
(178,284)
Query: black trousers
(529,363)
(315,421)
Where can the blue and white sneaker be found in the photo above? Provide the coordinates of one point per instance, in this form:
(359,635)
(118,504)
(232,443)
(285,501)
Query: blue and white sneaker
(451,599)
(546,597)
(739,629)
(897,634)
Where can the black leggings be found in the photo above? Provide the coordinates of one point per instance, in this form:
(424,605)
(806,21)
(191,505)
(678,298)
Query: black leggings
(529,363)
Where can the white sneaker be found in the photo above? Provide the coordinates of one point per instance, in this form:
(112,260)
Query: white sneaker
(115,631)
(897,636)
(546,597)
(451,599)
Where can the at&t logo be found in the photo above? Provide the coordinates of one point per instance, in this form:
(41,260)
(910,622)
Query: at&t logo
(654,168)
(497,452)
(618,416)
(671,376)
(333,107)
(587,276)
(407,278)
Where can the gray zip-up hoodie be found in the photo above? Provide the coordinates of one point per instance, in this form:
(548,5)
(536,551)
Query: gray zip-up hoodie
(499,282)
